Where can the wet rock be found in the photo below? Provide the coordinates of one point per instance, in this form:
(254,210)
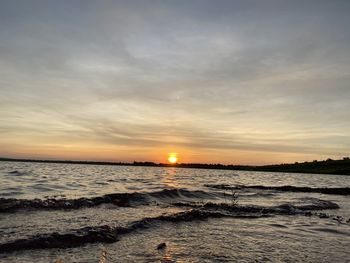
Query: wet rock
(323,215)
(161,246)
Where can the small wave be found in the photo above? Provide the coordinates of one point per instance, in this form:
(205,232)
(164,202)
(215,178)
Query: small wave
(17,173)
(229,175)
(285,188)
(278,225)
(255,195)
(117,199)
(332,231)
(281,209)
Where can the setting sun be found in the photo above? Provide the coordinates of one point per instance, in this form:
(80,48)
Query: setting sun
(172,158)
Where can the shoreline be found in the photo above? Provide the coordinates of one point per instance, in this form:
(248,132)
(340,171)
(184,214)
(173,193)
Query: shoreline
(334,167)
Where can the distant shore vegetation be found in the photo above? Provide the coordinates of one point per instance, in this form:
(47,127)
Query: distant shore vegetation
(329,166)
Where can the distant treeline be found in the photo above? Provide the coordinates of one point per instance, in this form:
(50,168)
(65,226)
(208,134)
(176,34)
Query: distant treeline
(328,166)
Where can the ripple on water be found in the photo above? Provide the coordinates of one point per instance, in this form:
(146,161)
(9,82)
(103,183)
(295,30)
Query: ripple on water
(332,231)
(18,173)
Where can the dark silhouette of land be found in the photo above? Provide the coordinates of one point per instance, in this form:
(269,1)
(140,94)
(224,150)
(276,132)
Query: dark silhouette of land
(328,166)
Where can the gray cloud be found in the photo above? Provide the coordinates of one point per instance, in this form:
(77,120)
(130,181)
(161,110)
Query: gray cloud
(231,75)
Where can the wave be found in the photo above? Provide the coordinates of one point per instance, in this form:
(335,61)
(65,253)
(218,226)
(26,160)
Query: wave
(105,233)
(317,204)
(134,199)
(117,199)
(109,234)
(285,188)
(17,173)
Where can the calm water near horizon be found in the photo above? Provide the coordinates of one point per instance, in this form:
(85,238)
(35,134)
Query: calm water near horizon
(162,193)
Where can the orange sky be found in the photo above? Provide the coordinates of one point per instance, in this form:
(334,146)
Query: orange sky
(158,155)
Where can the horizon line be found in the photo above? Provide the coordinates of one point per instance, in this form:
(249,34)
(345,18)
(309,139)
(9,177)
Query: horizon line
(154,163)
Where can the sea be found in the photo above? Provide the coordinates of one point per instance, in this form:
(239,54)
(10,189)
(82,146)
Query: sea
(102,213)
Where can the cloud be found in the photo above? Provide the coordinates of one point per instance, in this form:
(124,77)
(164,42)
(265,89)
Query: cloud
(229,76)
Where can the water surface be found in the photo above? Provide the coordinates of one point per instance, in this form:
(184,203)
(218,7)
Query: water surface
(285,233)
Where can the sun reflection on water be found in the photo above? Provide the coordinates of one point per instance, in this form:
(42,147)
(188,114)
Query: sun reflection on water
(169,178)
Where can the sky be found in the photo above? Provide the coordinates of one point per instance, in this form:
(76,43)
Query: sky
(235,82)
